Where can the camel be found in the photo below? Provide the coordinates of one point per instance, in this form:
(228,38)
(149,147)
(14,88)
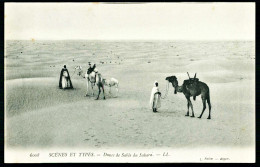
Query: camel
(192,87)
(90,78)
(93,79)
(100,83)
(112,82)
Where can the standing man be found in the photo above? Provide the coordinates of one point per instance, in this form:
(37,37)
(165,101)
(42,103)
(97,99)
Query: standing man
(65,81)
(155,99)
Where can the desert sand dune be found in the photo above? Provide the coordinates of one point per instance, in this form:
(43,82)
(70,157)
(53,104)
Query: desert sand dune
(38,114)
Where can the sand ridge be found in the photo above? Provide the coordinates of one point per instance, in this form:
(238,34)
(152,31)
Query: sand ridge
(38,114)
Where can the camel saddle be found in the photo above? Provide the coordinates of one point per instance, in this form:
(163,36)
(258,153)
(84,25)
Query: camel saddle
(190,81)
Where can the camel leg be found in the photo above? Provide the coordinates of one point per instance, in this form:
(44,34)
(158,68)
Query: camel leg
(87,88)
(208,100)
(189,105)
(98,93)
(92,86)
(191,108)
(204,105)
(109,89)
(103,91)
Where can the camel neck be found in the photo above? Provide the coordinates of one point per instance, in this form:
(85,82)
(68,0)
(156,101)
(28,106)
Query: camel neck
(177,88)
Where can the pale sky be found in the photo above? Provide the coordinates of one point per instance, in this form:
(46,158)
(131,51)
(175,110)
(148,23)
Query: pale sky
(144,21)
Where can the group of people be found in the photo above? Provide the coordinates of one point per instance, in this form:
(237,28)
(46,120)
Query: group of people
(65,83)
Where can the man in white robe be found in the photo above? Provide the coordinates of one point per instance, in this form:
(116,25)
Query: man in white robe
(155,99)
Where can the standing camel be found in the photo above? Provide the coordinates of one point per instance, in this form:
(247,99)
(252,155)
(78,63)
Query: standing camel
(100,83)
(193,88)
(111,82)
(93,78)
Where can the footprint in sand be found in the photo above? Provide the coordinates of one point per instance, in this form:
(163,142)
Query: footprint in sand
(93,136)
(87,139)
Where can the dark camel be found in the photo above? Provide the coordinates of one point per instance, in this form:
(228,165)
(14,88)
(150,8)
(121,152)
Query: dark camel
(192,87)
(100,83)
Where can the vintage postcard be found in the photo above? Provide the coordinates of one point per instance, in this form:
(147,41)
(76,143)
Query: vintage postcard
(129,82)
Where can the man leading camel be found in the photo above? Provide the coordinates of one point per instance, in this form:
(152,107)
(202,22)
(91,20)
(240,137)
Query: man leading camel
(155,99)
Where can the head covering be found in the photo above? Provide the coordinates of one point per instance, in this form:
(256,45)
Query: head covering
(155,83)
(96,70)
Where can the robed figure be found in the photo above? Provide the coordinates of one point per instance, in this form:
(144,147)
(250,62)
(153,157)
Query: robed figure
(155,98)
(65,81)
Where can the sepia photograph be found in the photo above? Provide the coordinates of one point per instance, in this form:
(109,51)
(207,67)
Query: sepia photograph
(129,82)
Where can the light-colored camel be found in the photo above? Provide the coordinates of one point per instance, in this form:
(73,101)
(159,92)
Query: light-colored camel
(112,82)
(93,78)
